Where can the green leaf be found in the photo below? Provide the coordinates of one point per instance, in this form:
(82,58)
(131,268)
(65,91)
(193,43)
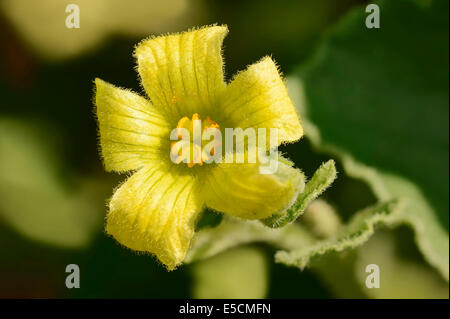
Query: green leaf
(320,181)
(236,273)
(379,98)
(354,234)
(233,232)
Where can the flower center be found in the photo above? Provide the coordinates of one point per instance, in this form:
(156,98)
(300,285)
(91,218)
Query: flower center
(195,133)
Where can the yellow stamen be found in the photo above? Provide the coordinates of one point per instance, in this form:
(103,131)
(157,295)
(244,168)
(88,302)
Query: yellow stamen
(197,155)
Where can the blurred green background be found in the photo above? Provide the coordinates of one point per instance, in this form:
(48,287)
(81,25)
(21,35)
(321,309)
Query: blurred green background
(53,189)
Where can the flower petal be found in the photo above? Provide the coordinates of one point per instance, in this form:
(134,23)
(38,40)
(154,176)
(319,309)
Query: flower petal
(131,130)
(183,73)
(155,211)
(241,190)
(258,98)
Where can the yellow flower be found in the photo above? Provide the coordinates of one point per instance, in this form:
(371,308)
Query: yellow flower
(156,209)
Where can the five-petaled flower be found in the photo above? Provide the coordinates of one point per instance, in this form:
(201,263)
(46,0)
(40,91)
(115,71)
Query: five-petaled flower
(156,208)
